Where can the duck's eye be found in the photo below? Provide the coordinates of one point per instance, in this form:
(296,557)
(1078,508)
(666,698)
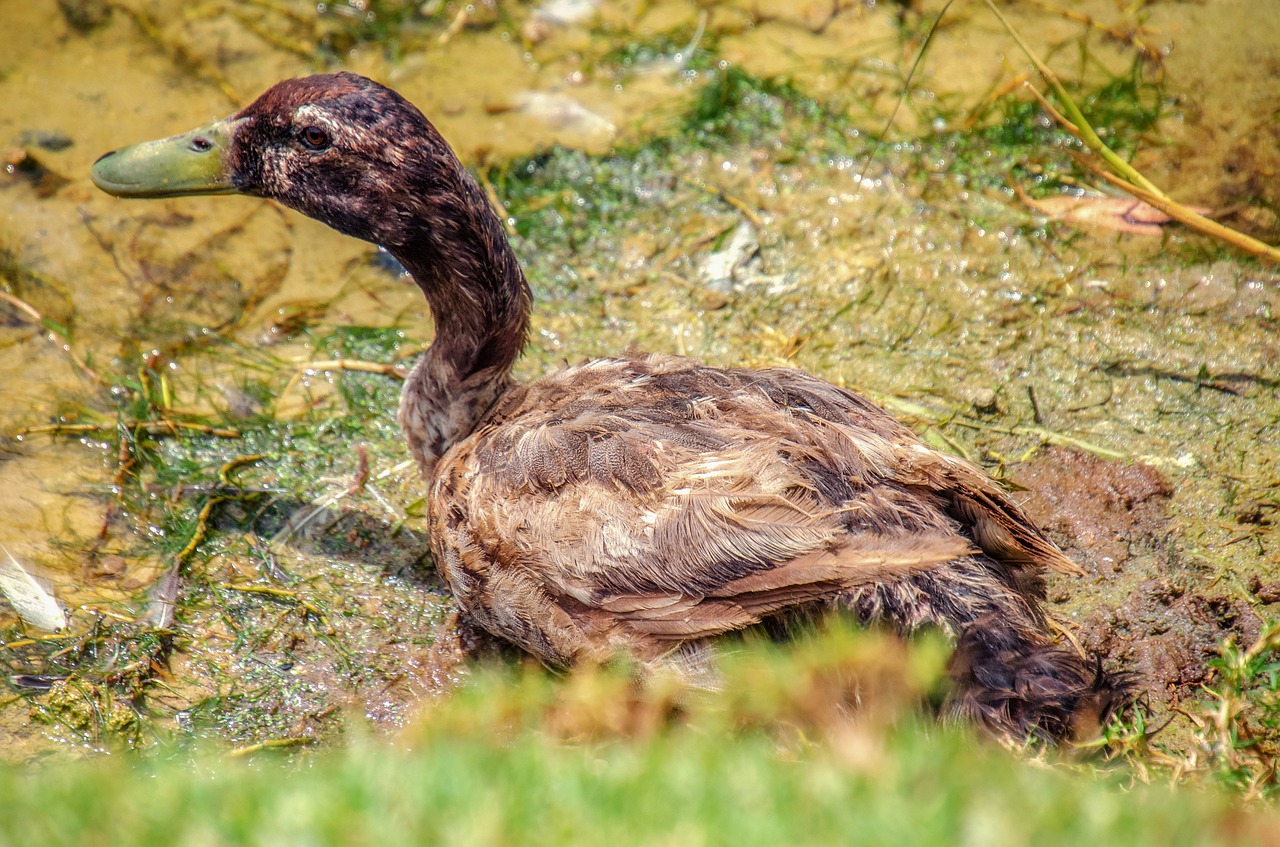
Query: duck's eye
(314,138)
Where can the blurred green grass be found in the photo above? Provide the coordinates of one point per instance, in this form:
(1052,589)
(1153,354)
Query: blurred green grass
(821,741)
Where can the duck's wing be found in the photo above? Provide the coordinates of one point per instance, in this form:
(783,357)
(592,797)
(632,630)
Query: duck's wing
(983,510)
(995,522)
(719,541)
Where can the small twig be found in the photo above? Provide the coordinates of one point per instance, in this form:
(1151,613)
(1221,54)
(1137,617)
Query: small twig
(278,594)
(1049,107)
(1035,407)
(201,530)
(31,312)
(126,461)
(268,590)
(1065,631)
(747,212)
(149,427)
(362,470)
(455,26)
(202,520)
(224,472)
(1045,436)
(394,371)
(1087,134)
(1131,37)
(1209,381)
(979,112)
(22,306)
(272,744)
(1197,221)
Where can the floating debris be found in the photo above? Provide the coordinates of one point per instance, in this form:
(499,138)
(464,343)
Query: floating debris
(560,112)
(161,599)
(54,140)
(726,266)
(36,682)
(30,597)
(737,264)
(556,14)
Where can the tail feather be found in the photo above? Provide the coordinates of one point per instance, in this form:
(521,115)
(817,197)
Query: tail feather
(1021,685)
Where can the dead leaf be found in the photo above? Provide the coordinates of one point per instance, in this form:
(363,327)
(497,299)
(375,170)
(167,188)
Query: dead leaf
(1122,214)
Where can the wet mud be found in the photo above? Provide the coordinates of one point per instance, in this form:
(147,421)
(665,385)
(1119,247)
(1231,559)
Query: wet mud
(1160,619)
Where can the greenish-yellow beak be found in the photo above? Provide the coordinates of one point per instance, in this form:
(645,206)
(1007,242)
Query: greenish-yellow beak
(191,163)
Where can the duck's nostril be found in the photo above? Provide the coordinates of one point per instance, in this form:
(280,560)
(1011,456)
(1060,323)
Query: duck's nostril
(200,144)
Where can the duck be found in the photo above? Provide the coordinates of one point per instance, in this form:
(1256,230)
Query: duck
(642,504)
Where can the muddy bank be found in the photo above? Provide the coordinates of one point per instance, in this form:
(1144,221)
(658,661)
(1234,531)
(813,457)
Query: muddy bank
(1160,612)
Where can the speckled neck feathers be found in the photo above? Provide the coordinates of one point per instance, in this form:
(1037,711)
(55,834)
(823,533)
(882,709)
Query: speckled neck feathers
(480,301)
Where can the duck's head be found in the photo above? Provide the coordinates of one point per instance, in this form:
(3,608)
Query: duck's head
(339,148)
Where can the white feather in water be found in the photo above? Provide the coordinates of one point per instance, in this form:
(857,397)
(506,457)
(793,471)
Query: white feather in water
(161,599)
(30,597)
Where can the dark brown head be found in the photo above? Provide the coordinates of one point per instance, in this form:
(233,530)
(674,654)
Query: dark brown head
(339,148)
(359,157)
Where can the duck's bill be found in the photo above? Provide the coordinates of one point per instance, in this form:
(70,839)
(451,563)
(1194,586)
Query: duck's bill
(192,163)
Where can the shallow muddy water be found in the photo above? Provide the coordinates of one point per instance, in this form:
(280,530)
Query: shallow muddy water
(1128,382)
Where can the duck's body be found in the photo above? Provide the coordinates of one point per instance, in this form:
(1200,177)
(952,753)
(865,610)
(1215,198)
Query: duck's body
(647,501)
(638,503)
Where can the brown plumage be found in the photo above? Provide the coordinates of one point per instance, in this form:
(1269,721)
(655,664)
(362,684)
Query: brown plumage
(643,502)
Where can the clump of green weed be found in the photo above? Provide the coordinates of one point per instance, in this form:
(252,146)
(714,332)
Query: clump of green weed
(820,683)
(1236,735)
(1233,732)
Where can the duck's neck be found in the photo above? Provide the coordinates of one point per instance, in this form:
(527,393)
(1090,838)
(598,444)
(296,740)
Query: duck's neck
(480,302)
